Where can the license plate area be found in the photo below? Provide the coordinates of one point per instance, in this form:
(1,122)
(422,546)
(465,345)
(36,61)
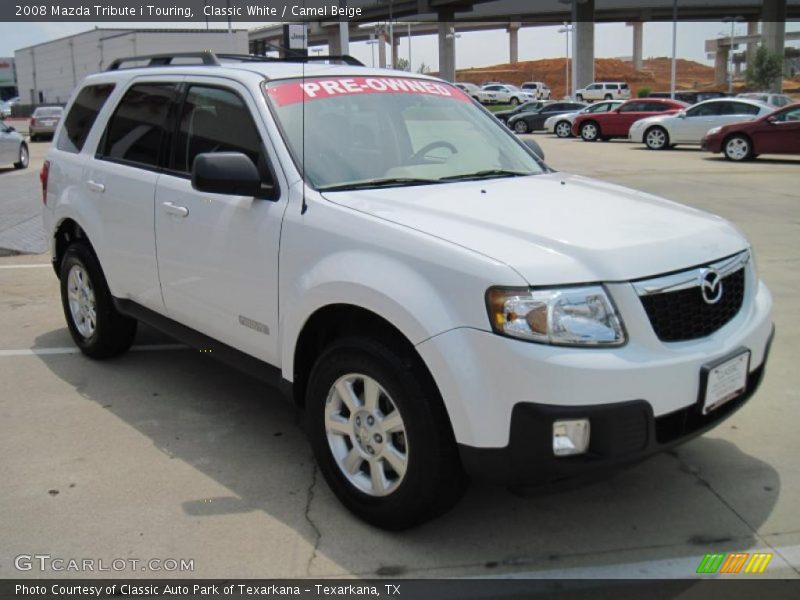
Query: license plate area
(724,380)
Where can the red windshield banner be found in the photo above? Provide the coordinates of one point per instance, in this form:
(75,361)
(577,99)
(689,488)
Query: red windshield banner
(319,89)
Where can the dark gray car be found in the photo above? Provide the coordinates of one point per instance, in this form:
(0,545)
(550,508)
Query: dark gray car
(534,121)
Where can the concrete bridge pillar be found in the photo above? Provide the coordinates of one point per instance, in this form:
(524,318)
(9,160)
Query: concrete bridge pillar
(513,43)
(750,53)
(447,46)
(721,65)
(583,43)
(638,44)
(773,32)
(382,49)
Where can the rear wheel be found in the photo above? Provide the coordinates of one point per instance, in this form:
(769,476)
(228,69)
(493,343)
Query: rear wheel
(607,97)
(656,138)
(514,101)
(381,436)
(563,129)
(738,148)
(23,158)
(521,126)
(579,97)
(590,131)
(95,325)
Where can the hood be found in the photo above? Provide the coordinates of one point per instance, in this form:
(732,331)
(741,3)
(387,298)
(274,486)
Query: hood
(557,228)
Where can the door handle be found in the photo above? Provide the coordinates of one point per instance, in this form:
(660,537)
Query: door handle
(95,187)
(174,209)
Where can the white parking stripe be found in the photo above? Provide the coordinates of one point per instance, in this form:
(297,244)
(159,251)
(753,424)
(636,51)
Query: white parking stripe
(73,350)
(26,266)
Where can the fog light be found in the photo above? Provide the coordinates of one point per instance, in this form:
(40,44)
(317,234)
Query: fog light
(570,437)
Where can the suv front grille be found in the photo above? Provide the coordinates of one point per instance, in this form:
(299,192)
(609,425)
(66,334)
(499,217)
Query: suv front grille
(676,305)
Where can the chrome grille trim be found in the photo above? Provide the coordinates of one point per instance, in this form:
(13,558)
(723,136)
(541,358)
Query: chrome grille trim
(690,278)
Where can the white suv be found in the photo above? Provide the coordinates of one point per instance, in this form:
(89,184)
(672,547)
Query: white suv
(608,90)
(503,93)
(437,299)
(538,88)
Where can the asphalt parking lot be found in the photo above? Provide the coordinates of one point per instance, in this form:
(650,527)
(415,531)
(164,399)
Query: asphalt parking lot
(165,454)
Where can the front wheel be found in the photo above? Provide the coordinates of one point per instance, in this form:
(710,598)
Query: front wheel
(380,435)
(563,129)
(22,158)
(656,138)
(95,325)
(590,132)
(514,101)
(738,148)
(579,97)
(521,126)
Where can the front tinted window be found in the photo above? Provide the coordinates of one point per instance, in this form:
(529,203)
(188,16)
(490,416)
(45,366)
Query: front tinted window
(136,130)
(601,107)
(82,116)
(214,120)
(705,110)
(357,130)
(792,116)
(634,107)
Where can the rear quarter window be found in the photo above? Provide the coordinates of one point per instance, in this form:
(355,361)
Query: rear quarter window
(82,115)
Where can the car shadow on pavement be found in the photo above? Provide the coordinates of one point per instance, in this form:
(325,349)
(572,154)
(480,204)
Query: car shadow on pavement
(703,497)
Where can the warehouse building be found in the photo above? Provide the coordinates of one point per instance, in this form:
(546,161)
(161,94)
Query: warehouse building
(49,72)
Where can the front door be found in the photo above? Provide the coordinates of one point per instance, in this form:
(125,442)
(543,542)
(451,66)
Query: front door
(780,135)
(218,253)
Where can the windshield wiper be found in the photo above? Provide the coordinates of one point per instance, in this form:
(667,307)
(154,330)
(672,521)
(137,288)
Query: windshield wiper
(378,183)
(487,174)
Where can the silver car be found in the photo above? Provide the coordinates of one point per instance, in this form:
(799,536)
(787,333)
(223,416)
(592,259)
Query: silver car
(13,149)
(44,121)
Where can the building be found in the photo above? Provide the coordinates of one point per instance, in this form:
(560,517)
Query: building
(8,78)
(48,72)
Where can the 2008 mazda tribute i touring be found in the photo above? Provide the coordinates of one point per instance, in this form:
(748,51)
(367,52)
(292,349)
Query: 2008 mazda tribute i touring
(442,303)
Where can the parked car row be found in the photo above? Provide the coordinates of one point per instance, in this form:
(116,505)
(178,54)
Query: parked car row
(740,127)
(495,92)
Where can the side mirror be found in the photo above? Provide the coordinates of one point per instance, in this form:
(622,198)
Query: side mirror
(772,119)
(534,147)
(682,114)
(11,128)
(230,173)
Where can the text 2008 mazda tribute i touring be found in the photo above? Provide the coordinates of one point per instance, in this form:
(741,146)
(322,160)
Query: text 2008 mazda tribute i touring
(441,301)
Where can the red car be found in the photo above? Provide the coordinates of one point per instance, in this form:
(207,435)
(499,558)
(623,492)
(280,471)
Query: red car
(616,123)
(775,133)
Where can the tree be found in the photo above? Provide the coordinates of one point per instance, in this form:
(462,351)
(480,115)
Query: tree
(766,68)
(403,65)
(643,92)
(423,68)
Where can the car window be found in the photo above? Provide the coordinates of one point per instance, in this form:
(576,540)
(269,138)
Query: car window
(738,108)
(601,107)
(492,88)
(624,86)
(136,130)
(656,107)
(611,86)
(710,109)
(594,86)
(633,107)
(786,116)
(782,101)
(214,120)
(82,115)
(48,112)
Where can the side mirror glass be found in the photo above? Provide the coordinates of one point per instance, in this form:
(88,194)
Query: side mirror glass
(534,147)
(230,173)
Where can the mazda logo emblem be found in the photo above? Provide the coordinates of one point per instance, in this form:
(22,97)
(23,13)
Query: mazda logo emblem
(711,286)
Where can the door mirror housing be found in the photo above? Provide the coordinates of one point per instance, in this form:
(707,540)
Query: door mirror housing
(772,119)
(534,147)
(682,114)
(231,173)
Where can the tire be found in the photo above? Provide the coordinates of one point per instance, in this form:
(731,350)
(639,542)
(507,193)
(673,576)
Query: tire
(656,138)
(34,137)
(738,148)
(563,129)
(420,439)
(608,97)
(85,294)
(521,126)
(24,157)
(579,97)
(590,131)
(514,101)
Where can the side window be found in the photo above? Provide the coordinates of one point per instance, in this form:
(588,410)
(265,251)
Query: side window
(214,120)
(792,116)
(136,130)
(738,108)
(705,110)
(595,86)
(82,116)
(656,107)
(611,86)
(633,107)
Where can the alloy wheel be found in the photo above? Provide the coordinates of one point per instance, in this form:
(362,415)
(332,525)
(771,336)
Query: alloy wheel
(656,139)
(589,132)
(563,129)
(737,148)
(82,304)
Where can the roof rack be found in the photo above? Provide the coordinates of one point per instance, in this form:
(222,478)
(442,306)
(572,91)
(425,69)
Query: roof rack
(209,58)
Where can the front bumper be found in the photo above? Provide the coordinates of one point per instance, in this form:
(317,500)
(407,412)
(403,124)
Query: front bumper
(622,434)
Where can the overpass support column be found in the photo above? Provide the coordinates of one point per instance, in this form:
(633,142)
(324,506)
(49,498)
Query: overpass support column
(513,43)
(583,40)
(773,32)
(334,41)
(382,49)
(638,43)
(750,54)
(447,46)
(721,65)
(395,49)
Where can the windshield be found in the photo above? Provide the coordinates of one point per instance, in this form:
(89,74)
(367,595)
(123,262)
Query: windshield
(48,112)
(391,131)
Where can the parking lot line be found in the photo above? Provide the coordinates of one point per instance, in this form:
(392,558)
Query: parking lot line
(74,350)
(48,265)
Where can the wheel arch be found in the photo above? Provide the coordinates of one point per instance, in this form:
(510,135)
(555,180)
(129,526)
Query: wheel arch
(67,232)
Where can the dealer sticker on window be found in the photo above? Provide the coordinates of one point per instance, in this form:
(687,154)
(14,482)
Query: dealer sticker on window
(726,381)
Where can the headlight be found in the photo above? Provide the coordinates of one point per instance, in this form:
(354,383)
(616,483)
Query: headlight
(575,316)
(714,131)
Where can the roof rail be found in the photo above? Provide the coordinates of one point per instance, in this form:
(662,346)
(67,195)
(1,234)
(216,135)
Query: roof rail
(209,58)
(159,60)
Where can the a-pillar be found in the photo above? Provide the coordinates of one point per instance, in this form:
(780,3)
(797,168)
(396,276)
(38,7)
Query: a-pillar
(773,32)
(721,64)
(583,43)
(638,43)
(447,46)
(513,43)
(752,47)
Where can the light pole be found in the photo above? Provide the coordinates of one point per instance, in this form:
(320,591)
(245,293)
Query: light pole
(673,69)
(566,29)
(732,21)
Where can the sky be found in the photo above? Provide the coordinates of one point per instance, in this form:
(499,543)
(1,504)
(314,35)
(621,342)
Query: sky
(473,49)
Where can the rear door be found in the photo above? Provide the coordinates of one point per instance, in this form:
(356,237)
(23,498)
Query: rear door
(781,135)
(698,120)
(9,144)
(122,177)
(218,253)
